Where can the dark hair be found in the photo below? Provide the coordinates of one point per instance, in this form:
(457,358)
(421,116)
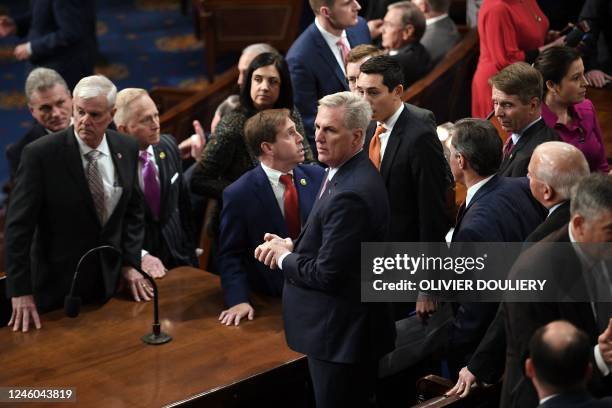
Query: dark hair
(478,142)
(520,79)
(592,196)
(554,63)
(388,67)
(285,97)
(560,365)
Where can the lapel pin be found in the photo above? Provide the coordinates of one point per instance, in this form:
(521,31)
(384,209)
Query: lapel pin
(303,181)
(119,156)
(162,155)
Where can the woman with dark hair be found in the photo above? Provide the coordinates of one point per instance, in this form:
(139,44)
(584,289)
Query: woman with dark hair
(566,109)
(226,156)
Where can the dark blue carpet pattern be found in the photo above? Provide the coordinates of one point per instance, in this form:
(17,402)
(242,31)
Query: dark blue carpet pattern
(146,43)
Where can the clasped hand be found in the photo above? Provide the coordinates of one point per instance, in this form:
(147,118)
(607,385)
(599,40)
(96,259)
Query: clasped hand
(272,249)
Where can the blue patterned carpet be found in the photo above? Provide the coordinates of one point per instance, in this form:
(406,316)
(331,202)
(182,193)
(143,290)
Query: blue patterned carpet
(146,43)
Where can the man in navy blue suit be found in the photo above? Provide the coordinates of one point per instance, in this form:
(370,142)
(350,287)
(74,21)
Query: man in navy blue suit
(60,34)
(317,58)
(322,309)
(496,209)
(260,202)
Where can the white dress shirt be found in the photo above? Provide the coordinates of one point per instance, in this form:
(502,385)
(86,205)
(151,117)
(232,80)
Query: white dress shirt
(433,20)
(277,187)
(332,41)
(112,190)
(388,124)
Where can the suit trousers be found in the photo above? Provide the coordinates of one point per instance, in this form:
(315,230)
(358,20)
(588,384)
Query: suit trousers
(339,385)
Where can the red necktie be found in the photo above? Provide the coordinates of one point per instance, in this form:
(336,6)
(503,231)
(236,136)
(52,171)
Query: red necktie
(290,198)
(508,145)
(375,145)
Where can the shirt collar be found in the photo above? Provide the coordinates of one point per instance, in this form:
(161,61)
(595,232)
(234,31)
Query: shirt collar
(551,117)
(549,397)
(554,207)
(471,192)
(517,136)
(102,148)
(329,37)
(432,20)
(273,175)
(390,123)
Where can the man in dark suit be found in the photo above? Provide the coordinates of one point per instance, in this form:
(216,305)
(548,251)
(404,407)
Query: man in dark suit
(278,208)
(441,33)
(404,146)
(403,27)
(168,240)
(496,209)
(59,34)
(517,99)
(559,368)
(75,191)
(50,104)
(317,58)
(555,168)
(323,313)
(574,265)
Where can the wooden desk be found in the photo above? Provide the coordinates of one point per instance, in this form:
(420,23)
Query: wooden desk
(602,99)
(101,355)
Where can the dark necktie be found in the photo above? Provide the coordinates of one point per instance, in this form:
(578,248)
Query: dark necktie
(290,203)
(150,184)
(508,145)
(96,186)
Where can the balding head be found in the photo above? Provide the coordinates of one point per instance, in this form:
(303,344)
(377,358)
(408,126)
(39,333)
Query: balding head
(555,168)
(559,355)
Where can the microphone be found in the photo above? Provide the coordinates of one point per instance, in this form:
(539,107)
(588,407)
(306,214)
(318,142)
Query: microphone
(72,302)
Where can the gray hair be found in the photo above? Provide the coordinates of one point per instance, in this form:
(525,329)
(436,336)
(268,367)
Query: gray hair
(258,48)
(411,15)
(125,98)
(592,196)
(357,114)
(560,165)
(96,85)
(41,79)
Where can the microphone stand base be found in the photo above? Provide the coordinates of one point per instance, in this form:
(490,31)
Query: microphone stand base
(156,339)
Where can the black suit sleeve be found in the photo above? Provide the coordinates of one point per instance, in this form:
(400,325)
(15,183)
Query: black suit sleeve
(70,28)
(343,222)
(22,217)
(488,361)
(133,223)
(429,170)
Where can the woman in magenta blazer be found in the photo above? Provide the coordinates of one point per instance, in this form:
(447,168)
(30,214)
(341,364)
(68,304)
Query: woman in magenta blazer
(565,107)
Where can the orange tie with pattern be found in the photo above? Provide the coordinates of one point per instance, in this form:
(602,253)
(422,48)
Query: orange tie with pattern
(375,146)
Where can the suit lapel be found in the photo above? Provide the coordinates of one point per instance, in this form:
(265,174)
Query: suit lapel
(263,191)
(522,142)
(161,158)
(74,162)
(122,166)
(307,190)
(482,191)
(328,57)
(395,139)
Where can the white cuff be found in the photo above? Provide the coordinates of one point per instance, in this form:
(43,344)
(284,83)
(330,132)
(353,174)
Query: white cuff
(29,47)
(143,253)
(599,360)
(281,259)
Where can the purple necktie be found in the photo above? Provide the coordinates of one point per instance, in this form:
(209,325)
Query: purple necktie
(150,184)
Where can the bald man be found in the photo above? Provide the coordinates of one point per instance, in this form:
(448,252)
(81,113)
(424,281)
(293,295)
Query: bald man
(554,168)
(559,367)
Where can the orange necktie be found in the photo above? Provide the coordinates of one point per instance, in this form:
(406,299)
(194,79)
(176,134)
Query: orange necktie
(375,146)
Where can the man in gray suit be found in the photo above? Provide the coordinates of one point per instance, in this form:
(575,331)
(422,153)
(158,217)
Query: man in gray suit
(441,33)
